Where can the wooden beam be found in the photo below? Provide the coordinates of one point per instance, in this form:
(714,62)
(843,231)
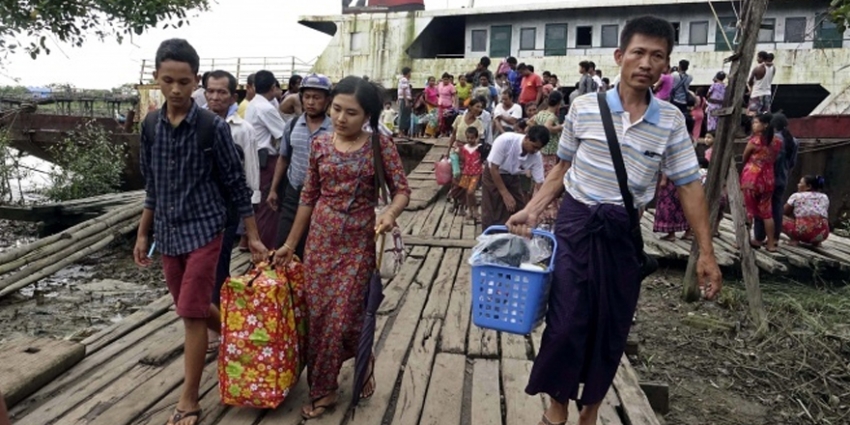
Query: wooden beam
(636,407)
(748,260)
(29,363)
(433,242)
(751,14)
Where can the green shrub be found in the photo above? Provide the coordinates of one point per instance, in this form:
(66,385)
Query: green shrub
(88,163)
(11,171)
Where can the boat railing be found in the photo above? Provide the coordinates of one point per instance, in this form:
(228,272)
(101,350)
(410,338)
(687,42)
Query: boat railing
(282,67)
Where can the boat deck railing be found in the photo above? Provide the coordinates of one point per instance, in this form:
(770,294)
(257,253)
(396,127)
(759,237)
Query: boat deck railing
(282,67)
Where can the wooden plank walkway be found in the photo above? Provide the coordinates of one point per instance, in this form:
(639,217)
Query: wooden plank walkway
(831,260)
(432,365)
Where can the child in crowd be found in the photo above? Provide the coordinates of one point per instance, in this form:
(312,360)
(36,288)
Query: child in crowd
(388,116)
(709,142)
(471,169)
(417,125)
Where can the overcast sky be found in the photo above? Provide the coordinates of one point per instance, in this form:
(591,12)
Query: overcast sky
(232,28)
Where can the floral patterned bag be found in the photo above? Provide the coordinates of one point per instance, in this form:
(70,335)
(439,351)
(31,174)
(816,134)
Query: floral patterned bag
(264,336)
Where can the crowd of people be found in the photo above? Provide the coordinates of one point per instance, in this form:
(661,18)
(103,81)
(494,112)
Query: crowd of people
(768,161)
(516,99)
(293,174)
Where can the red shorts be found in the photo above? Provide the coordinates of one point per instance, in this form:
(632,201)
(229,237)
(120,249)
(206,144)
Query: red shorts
(191,279)
(758,204)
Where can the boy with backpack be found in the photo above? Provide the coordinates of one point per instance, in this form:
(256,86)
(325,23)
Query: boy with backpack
(192,174)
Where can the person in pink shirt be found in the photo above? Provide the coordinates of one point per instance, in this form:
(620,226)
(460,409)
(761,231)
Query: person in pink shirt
(664,86)
(532,87)
(447,94)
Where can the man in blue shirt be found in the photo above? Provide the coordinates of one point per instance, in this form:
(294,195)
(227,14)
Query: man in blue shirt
(294,159)
(186,175)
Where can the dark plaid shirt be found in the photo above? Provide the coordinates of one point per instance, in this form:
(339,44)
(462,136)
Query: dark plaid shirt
(189,210)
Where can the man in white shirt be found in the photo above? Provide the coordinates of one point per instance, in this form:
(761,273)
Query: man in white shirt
(511,157)
(199,95)
(268,131)
(506,114)
(405,102)
(760,83)
(221,99)
(595,76)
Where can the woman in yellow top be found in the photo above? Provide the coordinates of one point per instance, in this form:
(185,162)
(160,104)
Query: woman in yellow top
(549,118)
(464,91)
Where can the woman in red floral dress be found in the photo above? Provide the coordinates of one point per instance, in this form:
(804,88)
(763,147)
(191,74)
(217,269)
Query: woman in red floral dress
(338,206)
(757,180)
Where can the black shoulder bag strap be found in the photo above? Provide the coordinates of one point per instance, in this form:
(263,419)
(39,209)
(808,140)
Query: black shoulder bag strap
(620,168)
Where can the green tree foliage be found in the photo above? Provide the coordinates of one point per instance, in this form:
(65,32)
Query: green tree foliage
(27,24)
(839,11)
(89,163)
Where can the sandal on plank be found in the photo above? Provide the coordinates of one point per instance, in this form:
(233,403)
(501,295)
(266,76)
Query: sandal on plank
(364,395)
(317,411)
(545,421)
(180,415)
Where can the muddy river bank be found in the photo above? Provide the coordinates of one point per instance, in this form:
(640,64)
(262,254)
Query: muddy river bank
(80,299)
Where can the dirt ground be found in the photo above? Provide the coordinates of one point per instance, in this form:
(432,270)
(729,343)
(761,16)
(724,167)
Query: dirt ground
(797,373)
(81,299)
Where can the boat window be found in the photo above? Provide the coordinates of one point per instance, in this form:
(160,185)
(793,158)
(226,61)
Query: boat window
(727,25)
(677,28)
(500,41)
(827,35)
(447,37)
(584,36)
(358,41)
(528,39)
(795,30)
(767,30)
(556,40)
(699,33)
(479,40)
(610,35)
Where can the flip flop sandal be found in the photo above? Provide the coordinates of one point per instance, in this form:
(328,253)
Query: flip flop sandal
(371,381)
(180,415)
(213,346)
(318,411)
(545,421)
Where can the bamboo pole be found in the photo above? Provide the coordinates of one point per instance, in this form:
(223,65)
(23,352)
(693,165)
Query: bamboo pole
(52,264)
(748,260)
(109,218)
(728,125)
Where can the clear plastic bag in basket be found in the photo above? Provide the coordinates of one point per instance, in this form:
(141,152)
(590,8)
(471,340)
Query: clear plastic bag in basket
(505,249)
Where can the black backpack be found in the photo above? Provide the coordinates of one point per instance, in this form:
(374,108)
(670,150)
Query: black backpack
(205,129)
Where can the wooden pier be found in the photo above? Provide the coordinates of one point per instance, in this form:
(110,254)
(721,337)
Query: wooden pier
(433,366)
(831,260)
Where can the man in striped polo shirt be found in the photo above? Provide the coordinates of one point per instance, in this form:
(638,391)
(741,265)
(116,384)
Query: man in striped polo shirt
(294,159)
(596,280)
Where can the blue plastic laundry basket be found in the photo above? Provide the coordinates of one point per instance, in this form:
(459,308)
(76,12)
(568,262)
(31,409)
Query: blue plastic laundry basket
(509,299)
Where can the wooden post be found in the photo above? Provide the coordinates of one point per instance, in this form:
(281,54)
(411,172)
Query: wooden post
(748,260)
(728,124)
